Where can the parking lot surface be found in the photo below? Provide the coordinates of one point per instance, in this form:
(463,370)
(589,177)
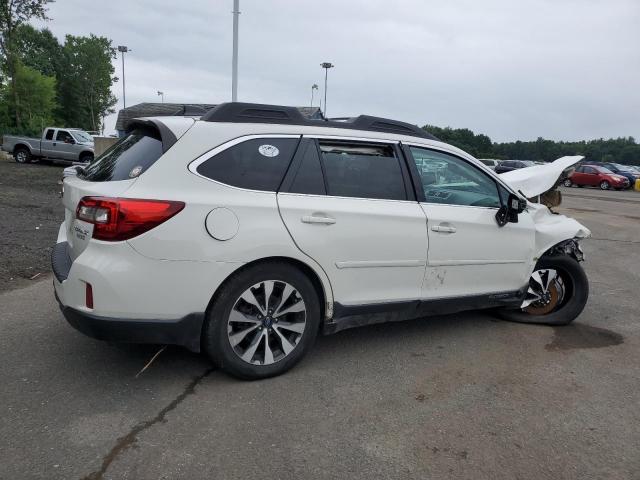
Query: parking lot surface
(461,396)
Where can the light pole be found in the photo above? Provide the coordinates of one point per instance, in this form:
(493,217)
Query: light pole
(161,94)
(313,87)
(123,49)
(234,62)
(326,66)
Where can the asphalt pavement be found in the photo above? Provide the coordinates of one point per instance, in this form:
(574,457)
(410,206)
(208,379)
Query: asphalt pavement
(463,396)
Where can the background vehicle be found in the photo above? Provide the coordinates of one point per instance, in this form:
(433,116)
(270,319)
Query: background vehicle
(492,163)
(623,170)
(508,165)
(247,232)
(596,176)
(60,144)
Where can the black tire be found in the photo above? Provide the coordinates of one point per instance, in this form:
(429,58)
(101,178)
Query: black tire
(22,155)
(577,293)
(215,340)
(604,185)
(86,157)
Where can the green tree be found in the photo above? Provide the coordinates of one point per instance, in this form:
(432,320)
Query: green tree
(37,95)
(39,49)
(13,14)
(85,86)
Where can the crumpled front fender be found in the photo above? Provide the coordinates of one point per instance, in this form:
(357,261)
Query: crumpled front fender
(552,229)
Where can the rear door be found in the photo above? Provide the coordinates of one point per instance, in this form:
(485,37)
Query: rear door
(46,144)
(349,205)
(469,254)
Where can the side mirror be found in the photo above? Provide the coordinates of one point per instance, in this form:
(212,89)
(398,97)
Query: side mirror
(509,212)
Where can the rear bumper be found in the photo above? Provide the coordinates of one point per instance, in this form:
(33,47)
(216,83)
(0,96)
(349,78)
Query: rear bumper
(184,331)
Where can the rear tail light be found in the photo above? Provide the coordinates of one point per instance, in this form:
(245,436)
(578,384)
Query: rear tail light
(117,219)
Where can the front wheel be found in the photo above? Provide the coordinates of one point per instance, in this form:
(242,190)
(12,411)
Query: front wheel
(604,185)
(558,291)
(263,321)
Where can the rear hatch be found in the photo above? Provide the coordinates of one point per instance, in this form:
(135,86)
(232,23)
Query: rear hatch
(109,175)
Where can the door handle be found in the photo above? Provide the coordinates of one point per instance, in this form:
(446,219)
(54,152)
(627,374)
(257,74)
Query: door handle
(318,220)
(443,229)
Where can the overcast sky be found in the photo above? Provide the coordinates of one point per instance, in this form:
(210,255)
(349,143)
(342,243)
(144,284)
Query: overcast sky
(561,69)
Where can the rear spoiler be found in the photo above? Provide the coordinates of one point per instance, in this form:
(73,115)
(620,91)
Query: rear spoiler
(167,137)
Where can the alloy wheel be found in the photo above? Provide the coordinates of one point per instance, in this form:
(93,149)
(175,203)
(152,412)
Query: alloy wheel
(21,156)
(546,292)
(266,322)
(604,185)
(567,183)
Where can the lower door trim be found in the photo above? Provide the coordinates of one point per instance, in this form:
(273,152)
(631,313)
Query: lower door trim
(351,316)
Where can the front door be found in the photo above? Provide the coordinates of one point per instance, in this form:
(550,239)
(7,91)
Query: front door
(349,206)
(64,146)
(469,254)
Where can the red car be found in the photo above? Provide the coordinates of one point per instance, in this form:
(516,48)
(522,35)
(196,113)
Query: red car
(595,176)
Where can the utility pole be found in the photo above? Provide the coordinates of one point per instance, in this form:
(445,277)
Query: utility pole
(313,87)
(161,94)
(326,66)
(234,66)
(123,49)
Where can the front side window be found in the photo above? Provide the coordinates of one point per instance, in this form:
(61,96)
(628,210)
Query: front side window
(362,170)
(257,164)
(450,180)
(64,136)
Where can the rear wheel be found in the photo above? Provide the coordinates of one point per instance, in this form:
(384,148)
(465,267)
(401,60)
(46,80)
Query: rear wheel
(263,321)
(567,182)
(604,185)
(22,155)
(558,291)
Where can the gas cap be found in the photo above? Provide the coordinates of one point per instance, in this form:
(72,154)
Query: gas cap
(222,224)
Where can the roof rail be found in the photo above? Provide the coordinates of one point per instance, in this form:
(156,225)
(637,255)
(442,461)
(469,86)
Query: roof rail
(239,112)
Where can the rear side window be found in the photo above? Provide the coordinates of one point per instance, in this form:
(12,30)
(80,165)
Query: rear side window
(257,164)
(308,178)
(362,171)
(129,158)
(49,135)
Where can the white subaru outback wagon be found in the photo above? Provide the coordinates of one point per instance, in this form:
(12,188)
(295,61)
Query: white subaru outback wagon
(247,231)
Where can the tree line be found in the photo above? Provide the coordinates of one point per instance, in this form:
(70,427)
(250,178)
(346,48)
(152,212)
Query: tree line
(618,150)
(44,82)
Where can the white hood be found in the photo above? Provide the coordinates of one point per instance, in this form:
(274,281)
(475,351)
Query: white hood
(534,181)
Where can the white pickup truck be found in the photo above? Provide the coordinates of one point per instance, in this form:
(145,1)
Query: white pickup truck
(59,144)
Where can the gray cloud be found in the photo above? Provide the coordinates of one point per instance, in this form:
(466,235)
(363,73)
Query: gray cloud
(564,69)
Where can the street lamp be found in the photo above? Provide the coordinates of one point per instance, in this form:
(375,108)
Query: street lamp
(234,61)
(326,66)
(161,94)
(313,87)
(123,49)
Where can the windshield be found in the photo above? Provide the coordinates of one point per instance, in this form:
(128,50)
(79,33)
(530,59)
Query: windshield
(604,170)
(81,136)
(528,163)
(623,168)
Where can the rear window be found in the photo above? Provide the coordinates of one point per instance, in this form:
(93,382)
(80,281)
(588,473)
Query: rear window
(129,158)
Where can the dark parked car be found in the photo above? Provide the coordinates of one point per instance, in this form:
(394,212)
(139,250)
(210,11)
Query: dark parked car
(625,170)
(508,165)
(596,176)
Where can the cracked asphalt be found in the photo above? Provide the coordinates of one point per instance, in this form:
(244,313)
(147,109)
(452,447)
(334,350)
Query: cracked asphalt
(462,396)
